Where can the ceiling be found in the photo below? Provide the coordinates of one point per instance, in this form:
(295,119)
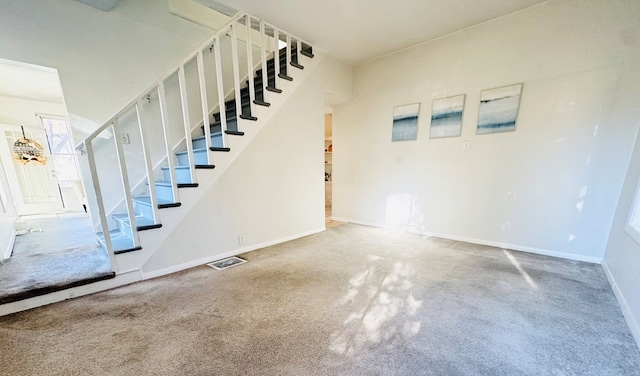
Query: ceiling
(31,82)
(359,30)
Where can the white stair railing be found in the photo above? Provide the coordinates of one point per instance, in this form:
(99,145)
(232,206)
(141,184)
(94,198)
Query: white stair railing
(267,44)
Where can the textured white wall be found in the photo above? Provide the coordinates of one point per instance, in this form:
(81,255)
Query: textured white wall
(549,187)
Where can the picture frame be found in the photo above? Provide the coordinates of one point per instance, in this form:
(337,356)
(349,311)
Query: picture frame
(446,116)
(405,122)
(499,109)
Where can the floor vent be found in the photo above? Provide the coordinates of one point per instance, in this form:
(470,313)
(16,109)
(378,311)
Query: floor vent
(226,263)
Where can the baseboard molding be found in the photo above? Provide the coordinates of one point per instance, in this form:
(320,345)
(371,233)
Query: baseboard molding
(235,252)
(632,321)
(58,296)
(357,222)
(515,247)
(9,250)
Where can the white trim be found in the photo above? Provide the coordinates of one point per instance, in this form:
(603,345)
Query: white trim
(356,221)
(632,321)
(515,247)
(633,231)
(9,250)
(219,256)
(58,296)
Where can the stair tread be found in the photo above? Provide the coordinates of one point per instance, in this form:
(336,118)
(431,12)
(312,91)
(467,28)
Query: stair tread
(198,150)
(121,242)
(142,222)
(178,167)
(306,53)
(146,200)
(274,89)
(262,103)
(212,134)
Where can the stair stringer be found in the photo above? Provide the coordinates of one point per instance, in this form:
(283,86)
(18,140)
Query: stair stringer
(151,240)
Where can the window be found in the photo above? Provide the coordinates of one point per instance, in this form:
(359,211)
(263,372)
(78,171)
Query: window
(62,151)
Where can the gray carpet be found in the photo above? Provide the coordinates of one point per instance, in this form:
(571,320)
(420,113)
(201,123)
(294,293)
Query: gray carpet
(61,253)
(57,234)
(27,275)
(349,301)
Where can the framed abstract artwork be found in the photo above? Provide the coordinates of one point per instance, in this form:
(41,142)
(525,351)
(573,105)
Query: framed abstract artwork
(499,109)
(446,117)
(405,122)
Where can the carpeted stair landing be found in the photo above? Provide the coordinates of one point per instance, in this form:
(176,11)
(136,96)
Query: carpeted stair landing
(27,275)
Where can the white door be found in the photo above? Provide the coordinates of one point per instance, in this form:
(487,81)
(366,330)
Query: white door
(34,186)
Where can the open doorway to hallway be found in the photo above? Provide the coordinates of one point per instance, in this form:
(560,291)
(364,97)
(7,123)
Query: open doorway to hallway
(46,236)
(328,169)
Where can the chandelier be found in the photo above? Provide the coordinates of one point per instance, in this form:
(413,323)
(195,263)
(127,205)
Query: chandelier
(26,150)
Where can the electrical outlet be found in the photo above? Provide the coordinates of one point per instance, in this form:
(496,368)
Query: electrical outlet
(125,138)
(240,239)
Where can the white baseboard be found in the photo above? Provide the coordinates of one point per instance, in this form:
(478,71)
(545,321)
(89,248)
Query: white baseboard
(357,222)
(515,247)
(58,296)
(9,250)
(632,321)
(219,256)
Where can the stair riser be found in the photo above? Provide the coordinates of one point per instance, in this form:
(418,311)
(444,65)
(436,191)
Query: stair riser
(216,140)
(143,209)
(124,227)
(165,193)
(199,156)
(182,175)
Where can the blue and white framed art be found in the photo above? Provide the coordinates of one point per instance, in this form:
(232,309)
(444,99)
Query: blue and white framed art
(446,117)
(499,109)
(405,122)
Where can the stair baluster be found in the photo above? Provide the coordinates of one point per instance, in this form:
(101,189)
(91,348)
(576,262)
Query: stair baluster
(252,92)
(148,165)
(164,119)
(187,126)
(205,106)
(219,79)
(126,186)
(263,56)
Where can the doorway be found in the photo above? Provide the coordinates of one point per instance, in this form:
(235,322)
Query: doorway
(328,171)
(49,238)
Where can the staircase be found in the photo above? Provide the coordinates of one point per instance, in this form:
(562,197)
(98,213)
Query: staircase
(163,177)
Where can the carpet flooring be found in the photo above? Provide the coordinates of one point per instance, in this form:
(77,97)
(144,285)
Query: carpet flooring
(60,253)
(51,235)
(352,300)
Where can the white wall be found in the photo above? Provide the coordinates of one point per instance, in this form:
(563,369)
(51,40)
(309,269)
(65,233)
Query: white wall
(274,189)
(8,215)
(622,257)
(549,187)
(103,58)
